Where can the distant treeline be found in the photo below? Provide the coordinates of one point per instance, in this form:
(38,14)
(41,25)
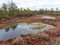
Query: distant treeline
(8,11)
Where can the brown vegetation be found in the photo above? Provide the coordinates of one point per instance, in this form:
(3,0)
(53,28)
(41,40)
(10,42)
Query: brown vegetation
(48,37)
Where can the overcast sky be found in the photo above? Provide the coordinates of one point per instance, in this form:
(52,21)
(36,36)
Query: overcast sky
(35,4)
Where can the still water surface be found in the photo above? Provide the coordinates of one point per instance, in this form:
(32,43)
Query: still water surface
(21,28)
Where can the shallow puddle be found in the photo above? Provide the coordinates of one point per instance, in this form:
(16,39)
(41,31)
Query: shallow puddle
(48,17)
(22,28)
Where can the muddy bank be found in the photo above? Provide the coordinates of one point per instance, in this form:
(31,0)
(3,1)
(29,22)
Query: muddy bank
(29,20)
